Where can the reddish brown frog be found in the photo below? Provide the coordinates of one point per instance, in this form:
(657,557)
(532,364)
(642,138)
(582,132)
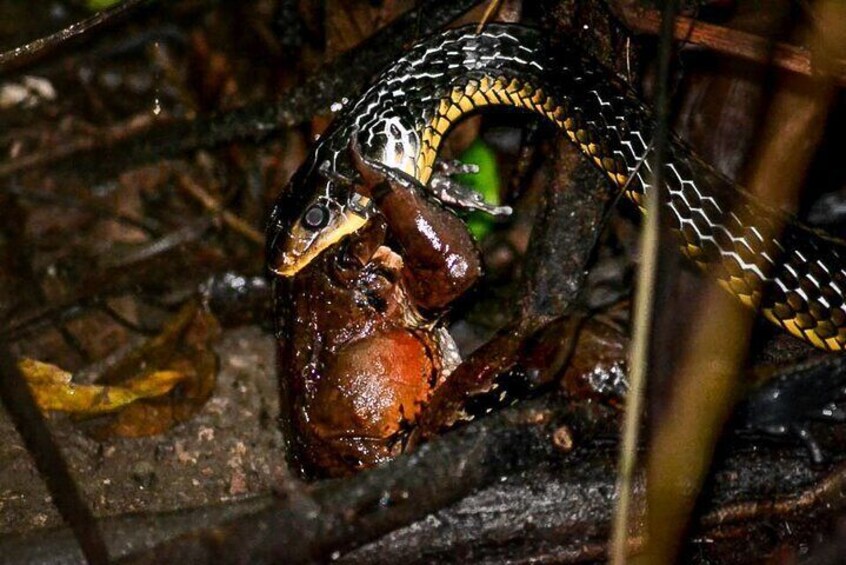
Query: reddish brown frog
(362,345)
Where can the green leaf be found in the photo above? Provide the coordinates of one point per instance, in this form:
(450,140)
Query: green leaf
(486,181)
(97,5)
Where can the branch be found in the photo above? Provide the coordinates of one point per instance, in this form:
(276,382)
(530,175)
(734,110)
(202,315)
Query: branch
(729,41)
(26,55)
(568,494)
(310,525)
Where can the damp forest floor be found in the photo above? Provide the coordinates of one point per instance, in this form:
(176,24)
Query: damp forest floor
(230,450)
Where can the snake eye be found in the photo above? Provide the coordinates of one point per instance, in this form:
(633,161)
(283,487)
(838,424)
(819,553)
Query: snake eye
(316,217)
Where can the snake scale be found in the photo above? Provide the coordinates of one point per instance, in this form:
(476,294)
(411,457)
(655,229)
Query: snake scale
(795,275)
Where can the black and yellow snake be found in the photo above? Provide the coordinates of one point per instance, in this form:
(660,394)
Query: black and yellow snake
(796,278)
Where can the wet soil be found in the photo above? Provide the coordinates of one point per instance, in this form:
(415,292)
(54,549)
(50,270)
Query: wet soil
(230,450)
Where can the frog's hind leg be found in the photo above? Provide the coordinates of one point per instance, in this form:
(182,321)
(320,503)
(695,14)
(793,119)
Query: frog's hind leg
(367,395)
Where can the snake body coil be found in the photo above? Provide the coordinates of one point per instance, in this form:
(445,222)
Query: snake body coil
(797,279)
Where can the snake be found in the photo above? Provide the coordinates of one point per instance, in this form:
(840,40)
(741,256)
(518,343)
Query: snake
(762,255)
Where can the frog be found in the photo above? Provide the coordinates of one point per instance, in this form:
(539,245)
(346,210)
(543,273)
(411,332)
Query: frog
(362,336)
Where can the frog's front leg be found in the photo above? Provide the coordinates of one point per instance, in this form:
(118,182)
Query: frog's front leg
(440,258)
(448,190)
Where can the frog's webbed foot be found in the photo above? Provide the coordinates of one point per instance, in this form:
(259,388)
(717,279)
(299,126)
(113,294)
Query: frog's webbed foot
(834,411)
(452,193)
(831,412)
(796,431)
(442,186)
(803,432)
(786,405)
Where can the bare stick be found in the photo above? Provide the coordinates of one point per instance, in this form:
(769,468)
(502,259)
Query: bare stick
(211,204)
(28,54)
(731,42)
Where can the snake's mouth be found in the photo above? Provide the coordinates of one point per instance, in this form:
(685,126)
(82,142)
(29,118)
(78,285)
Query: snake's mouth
(301,246)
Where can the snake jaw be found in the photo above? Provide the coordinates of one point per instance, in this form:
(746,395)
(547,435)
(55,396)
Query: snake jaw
(302,244)
(346,209)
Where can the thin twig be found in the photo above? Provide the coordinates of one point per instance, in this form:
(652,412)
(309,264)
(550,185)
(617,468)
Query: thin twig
(493,6)
(148,225)
(644,300)
(131,270)
(211,204)
(19,57)
(137,127)
(831,491)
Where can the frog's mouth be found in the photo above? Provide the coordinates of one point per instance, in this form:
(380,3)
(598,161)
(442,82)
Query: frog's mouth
(302,247)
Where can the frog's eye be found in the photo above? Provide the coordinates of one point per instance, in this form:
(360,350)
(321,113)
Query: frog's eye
(316,217)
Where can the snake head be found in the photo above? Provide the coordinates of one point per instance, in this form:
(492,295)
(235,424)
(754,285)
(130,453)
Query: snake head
(318,209)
